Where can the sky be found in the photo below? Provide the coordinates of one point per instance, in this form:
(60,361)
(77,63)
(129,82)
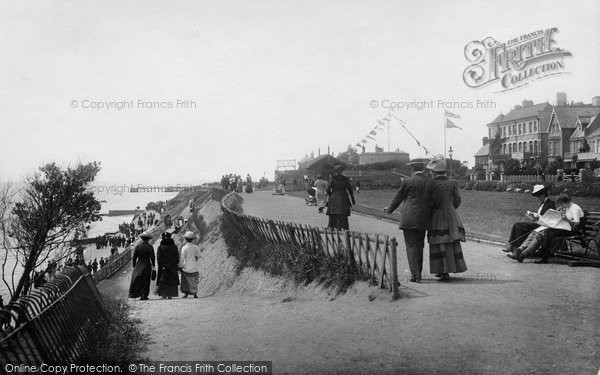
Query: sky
(258,81)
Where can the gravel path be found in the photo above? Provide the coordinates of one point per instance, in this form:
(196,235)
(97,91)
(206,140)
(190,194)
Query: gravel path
(498,317)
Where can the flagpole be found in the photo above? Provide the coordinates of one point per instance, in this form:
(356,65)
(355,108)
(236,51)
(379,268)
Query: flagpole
(444,136)
(389,120)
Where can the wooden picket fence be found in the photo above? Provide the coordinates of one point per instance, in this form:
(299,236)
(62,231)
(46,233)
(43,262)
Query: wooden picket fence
(374,254)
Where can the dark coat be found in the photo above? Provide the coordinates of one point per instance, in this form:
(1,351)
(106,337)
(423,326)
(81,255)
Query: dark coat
(340,193)
(414,199)
(167,257)
(143,261)
(446,226)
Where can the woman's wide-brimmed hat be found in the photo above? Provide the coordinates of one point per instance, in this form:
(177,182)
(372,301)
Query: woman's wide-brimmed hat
(539,189)
(146,234)
(189,235)
(437,164)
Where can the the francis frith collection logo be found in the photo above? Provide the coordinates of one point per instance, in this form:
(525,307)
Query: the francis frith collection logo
(514,63)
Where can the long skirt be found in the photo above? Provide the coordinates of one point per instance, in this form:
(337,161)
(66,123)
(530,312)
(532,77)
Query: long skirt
(140,280)
(167,282)
(189,282)
(446,258)
(338,222)
(321,198)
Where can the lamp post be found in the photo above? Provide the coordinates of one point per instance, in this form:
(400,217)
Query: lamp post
(450,152)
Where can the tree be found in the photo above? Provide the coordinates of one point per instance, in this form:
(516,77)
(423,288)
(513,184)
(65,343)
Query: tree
(54,208)
(496,148)
(585,147)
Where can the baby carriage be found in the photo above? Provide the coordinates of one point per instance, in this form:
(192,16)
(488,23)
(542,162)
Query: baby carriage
(311,200)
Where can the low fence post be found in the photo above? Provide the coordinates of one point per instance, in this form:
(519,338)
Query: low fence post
(349,251)
(394,262)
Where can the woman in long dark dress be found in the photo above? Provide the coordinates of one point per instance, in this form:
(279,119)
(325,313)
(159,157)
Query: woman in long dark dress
(447,231)
(340,194)
(143,263)
(167,257)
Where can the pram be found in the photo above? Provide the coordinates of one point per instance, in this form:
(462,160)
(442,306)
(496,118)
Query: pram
(311,200)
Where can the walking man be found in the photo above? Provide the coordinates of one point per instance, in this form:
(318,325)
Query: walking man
(414,197)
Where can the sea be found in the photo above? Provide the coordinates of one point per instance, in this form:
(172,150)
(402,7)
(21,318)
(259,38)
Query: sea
(124,200)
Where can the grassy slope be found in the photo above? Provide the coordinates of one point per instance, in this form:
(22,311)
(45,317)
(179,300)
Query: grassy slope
(486,215)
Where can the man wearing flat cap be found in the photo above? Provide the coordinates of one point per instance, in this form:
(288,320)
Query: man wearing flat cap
(414,199)
(521,230)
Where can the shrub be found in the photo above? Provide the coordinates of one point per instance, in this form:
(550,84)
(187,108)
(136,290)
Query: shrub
(118,338)
(300,263)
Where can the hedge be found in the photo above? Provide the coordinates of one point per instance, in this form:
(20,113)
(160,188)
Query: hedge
(584,189)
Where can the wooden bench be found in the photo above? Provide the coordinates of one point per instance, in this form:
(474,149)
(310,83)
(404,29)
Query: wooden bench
(587,234)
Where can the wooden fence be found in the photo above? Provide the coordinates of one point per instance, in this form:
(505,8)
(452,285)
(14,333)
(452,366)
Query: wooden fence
(54,323)
(528,178)
(114,264)
(374,254)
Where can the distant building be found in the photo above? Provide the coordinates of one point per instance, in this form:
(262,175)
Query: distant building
(380,156)
(350,156)
(542,130)
(568,131)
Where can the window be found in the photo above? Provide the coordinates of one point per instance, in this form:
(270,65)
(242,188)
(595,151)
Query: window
(535,147)
(550,148)
(535,128)
(520,147)
(519,129)
(510,148)
(530,146)
(530,127)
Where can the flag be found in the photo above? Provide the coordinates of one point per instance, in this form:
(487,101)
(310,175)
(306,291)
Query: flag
(380,122)
(363,140)
(378,128)
(450,124)
(373,132)
(358,145)
(368,136)
(450,114)
(386,118)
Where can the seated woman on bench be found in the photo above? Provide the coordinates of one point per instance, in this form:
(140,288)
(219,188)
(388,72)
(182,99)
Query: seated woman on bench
(522,229)
(549,240)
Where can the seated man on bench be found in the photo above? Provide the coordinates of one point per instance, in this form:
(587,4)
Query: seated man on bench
(522,229)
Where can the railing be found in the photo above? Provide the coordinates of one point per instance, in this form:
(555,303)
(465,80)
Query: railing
(54,323)
(374,254)
(528,178)
(114,264)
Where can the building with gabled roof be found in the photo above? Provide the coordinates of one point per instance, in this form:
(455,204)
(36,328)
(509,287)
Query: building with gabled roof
(543,131)
(567,131)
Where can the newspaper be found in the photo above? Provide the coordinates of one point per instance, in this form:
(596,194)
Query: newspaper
(553,219)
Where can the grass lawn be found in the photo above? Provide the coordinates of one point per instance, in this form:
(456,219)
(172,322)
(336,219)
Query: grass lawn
(486,215)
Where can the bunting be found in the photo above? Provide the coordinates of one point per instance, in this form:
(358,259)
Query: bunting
(370,137)
(373,132)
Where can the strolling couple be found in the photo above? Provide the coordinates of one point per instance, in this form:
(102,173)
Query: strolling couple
(428,206)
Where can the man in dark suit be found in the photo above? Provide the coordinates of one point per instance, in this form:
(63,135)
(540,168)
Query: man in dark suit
(414,197)
(521,230)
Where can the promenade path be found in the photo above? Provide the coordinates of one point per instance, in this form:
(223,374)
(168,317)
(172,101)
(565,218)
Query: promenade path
(498,317)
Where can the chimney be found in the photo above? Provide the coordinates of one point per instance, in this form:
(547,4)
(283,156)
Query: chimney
(527,103)
(561,98)
(596,101)
(485,140)
(328,150)
(319,150)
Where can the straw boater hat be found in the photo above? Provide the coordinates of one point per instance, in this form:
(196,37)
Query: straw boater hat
(189,235)
(539,189)
(437,164)
(146,234)
(416,162)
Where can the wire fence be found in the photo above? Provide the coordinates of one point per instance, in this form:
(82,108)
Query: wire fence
(54,323)
(374,254)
